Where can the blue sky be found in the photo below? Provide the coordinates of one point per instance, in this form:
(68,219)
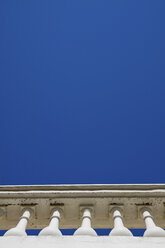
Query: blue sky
(82,86)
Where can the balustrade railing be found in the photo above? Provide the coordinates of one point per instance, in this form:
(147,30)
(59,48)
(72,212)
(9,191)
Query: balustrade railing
(84,207)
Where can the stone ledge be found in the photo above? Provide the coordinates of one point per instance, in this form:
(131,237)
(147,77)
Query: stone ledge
(81,242)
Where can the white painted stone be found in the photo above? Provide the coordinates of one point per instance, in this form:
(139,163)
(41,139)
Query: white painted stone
(151,229)
(53,228)
(86,229)
(81,242)
(19,230)
(119,229)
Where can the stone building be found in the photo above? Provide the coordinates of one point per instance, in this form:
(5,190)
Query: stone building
(85,208)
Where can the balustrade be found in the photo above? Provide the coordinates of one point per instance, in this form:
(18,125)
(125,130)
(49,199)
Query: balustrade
(119,209)
(85,229)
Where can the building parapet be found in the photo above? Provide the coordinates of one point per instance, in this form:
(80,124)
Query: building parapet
(84,207)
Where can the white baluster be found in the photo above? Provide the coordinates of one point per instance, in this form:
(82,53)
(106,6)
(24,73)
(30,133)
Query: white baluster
(20,228)
(86,228)
(119,228)
(53,228)
(151,229)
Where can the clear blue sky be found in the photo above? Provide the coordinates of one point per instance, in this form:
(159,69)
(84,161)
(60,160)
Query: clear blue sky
(82,91)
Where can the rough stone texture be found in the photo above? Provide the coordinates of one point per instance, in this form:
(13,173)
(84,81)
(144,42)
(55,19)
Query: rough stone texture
(43,198)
